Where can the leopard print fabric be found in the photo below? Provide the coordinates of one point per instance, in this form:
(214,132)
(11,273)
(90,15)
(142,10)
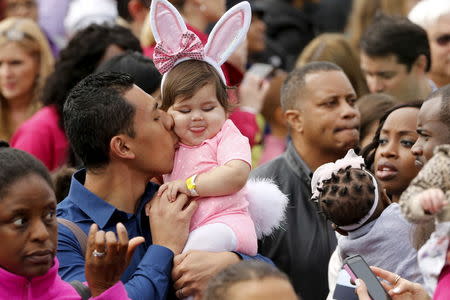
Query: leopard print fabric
(435,174)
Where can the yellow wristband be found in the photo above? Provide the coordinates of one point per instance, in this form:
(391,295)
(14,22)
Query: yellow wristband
(191,186)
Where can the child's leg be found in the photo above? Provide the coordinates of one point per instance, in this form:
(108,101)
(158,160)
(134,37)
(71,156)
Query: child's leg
(216,237)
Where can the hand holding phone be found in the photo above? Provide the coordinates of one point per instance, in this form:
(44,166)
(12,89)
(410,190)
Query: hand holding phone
(356,267)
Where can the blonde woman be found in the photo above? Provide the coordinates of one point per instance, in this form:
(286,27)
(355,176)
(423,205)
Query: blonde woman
(25,63)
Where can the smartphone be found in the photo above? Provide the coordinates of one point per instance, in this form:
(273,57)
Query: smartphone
(356,267)
(262,70)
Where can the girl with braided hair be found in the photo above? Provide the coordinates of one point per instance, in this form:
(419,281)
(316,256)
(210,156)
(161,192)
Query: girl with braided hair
(368,223)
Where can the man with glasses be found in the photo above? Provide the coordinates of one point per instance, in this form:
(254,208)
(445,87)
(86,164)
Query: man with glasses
(434,17)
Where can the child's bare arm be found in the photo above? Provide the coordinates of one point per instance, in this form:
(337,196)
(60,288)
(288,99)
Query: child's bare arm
(220,181)
(223,180)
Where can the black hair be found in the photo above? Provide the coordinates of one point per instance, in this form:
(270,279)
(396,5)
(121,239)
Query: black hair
(242,271)
(347,196)
(80,58)
(368,152)
(122,8)
(16,164)
(291,90)
(396,36)
(141,68)
(95,111)
(444,112)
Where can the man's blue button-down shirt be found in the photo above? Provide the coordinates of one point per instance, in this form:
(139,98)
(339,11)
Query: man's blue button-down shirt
(148,275)
(149,271)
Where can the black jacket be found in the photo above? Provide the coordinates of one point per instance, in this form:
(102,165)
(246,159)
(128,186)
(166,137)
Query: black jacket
(303,248)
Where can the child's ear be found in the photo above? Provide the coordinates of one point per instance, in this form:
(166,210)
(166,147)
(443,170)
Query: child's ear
(120,148)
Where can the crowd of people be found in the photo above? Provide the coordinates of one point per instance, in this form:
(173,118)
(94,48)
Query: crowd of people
(212,149)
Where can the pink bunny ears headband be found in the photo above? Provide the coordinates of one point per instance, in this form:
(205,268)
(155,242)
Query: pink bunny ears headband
(175,43)
(325,172)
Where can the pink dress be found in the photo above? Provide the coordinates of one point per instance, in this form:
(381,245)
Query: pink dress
(231,210)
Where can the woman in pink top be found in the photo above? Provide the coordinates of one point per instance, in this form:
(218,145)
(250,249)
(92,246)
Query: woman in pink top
(28,231)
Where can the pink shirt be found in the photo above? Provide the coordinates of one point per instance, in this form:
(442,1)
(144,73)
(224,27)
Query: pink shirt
(229,144)
(48,287)
(442,291)
(42,136)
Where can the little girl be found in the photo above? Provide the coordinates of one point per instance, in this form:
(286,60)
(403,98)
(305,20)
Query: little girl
(350,197)
(28,231)
(426,198)
(214,159)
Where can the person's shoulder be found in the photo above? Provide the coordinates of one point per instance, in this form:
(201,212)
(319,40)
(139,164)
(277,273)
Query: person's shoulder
(271,168)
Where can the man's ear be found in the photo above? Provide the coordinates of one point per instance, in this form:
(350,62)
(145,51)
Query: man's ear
(421,63)
(119,147)
(294,119)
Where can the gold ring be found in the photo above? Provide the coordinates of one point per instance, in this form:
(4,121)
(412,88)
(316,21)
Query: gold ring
(397,278)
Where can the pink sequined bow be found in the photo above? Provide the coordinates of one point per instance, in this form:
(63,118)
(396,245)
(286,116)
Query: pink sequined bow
(190,47)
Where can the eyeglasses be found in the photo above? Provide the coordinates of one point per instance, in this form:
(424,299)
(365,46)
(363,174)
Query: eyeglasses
(443,40)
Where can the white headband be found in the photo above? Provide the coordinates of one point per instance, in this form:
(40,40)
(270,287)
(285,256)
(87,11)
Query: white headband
(326,171)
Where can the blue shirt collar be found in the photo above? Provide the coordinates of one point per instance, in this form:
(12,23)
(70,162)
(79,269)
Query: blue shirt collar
(95,207)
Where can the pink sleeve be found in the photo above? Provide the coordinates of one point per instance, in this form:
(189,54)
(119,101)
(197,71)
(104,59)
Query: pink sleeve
(442,291)
(246,122)
(36,142)
(233,145)
(116,292)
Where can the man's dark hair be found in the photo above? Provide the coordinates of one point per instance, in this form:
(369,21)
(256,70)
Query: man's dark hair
(80,58)
(396,36)
(95,111)
(122,8)
(16,164)
(291,90)
(347,196)
(142,69)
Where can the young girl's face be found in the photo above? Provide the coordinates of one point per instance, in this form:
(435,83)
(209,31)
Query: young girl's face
(28,228)
(198,118)
(394,162)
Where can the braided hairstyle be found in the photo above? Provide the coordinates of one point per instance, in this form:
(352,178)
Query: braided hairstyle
(347,196)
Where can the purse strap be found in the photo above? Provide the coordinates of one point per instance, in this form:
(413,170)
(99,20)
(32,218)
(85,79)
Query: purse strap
(76,230)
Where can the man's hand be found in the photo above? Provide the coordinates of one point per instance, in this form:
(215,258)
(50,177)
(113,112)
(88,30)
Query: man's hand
(170,190)
(193,269)
(169,221)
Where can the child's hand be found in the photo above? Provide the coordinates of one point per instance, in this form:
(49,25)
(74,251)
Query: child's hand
(432,200)
(171,189)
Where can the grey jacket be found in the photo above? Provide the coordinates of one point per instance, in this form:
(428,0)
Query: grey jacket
(302,249)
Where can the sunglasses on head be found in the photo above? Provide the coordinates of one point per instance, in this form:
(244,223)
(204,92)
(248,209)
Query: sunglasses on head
(443,40)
